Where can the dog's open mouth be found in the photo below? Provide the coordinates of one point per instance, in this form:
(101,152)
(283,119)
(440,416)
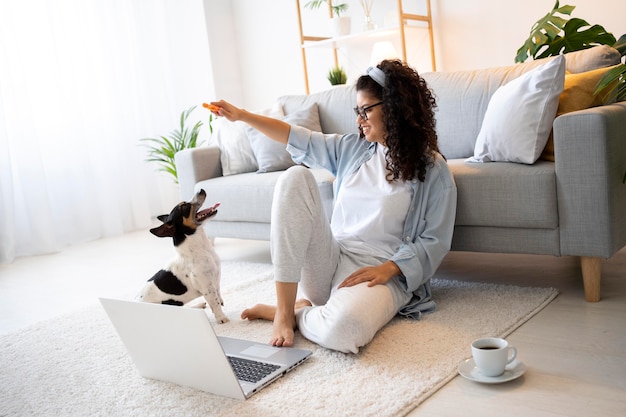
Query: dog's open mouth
(206,213)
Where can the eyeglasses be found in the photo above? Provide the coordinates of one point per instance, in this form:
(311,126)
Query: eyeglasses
(364,111)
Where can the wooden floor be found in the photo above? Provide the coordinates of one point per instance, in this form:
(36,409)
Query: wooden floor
(575,352)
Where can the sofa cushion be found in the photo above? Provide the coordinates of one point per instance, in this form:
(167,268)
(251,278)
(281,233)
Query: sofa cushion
(248,197)
(335,107)
(236,155)
(578,94)
(505,194)
(519,116)
(462,100)
(589,59)
(273,156)
(463,96)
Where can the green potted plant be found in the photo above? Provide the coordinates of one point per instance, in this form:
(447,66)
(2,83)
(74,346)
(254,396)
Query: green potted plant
(338,9)
(337,76)
(161,150)
(556,33)
(340,25)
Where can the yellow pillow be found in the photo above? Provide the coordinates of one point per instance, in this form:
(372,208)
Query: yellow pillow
(577,95)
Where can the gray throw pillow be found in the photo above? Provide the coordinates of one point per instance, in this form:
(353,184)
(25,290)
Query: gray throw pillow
(273,156)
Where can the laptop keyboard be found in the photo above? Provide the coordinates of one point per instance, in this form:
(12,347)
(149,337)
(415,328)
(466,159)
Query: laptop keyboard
(251,371)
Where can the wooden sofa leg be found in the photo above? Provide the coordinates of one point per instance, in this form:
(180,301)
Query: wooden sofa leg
(592,272)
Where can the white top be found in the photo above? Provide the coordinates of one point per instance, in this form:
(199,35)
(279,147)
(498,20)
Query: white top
(370,212)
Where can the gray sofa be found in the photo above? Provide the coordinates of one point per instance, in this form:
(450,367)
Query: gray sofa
(572,206)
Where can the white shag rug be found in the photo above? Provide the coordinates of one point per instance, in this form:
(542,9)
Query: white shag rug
(76,365)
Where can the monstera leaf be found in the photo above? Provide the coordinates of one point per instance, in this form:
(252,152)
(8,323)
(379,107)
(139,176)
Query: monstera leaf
(544,31)
(576,38)
(613,84)
(553,34)
(556,33)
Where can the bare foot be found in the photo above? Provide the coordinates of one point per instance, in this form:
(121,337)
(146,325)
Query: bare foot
(259,311)
(284,325)
(301,303)
(267,312)
(283,330)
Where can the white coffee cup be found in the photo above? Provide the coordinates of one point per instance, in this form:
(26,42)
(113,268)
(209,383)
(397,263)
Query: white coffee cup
(492,355)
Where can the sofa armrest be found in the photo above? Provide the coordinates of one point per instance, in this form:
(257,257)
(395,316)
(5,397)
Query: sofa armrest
(590,158)
(194,165)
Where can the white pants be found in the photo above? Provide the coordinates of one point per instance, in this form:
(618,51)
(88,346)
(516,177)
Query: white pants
(305,251)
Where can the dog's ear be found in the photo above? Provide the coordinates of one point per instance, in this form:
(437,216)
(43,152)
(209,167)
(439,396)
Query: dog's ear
(165,230)
(163,217)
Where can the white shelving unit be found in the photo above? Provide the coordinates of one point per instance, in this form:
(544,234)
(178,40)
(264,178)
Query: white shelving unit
(399,33)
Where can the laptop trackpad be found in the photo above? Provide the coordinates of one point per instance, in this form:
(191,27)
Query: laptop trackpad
(260,351)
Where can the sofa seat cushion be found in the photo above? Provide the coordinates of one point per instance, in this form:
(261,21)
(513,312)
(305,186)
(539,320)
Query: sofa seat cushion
(505,194)
(248,197)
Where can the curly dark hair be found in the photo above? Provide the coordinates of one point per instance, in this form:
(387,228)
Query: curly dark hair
(409,118)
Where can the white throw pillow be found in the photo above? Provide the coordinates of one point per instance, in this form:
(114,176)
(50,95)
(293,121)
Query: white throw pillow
(273,156)
(519,116)
(236,154)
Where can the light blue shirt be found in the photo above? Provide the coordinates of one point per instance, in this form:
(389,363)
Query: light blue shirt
(429,224)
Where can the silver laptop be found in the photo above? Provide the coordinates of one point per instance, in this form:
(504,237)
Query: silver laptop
(178,344)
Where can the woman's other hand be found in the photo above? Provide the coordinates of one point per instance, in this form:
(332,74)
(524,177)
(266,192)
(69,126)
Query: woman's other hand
(373,275)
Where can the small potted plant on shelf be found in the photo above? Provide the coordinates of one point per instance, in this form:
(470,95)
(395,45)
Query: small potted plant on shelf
(337,76)
(340,25)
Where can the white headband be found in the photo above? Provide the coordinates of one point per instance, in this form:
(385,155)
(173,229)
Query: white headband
(377,75)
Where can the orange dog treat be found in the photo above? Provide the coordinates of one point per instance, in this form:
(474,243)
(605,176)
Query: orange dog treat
(211,107)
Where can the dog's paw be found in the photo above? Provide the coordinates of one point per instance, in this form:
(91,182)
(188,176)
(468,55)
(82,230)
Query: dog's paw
(222,320)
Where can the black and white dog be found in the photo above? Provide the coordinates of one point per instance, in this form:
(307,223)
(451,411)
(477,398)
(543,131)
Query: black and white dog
(195,271)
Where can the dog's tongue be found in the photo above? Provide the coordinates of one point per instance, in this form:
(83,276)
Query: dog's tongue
(207,212)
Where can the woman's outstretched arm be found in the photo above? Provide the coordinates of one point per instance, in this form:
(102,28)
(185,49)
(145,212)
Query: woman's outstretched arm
(272,128)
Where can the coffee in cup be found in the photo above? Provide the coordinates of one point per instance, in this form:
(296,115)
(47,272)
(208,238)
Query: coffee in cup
(492,355)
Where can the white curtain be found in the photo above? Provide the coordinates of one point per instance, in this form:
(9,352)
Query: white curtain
(81,81)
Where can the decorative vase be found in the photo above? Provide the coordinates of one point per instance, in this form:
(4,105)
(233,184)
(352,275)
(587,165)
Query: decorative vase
(340,26)
(368,24)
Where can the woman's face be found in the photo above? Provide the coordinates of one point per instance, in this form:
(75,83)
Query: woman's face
(370,119)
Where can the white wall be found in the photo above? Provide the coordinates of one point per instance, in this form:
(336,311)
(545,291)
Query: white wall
(482,33)
(468,34)
(268,31)
(225,68)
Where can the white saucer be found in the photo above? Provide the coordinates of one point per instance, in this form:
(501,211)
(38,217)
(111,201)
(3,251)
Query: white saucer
(468,370)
